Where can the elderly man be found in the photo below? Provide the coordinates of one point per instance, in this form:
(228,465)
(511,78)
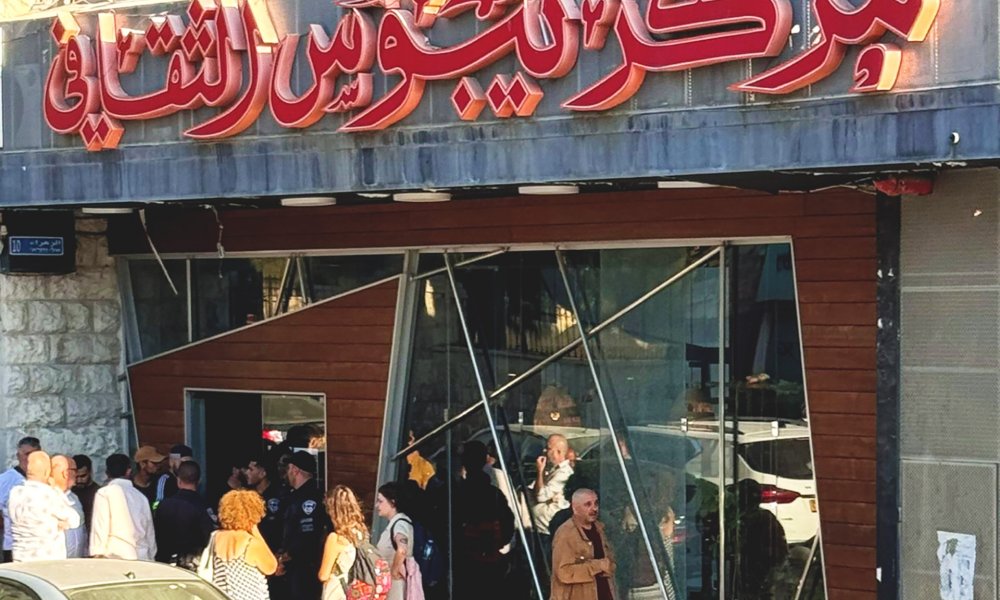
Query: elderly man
(63,478)
(582,564)
(13,477)
(554,468)
(39,514)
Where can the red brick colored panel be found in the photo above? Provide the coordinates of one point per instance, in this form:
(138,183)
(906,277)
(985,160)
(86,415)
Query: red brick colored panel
(270,356)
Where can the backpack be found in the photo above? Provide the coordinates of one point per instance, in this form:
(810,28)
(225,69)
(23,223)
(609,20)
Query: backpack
(369,577)
(427,554)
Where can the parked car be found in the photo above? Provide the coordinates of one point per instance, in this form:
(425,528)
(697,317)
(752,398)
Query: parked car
(774,453)
(101,579)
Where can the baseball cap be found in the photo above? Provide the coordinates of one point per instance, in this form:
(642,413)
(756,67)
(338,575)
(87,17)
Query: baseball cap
(148,453)
(181,450)
(304,461)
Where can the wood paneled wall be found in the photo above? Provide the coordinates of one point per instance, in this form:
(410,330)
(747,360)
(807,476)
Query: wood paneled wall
(835,257)
(339,348)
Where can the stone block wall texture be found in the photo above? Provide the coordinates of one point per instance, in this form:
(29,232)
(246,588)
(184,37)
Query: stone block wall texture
(61,353)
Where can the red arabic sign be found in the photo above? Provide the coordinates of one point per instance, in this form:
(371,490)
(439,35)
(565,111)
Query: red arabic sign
(227,55)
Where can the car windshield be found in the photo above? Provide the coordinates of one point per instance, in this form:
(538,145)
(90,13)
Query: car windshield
(158,590)
(782,457)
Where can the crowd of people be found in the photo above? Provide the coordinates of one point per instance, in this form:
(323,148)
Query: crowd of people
(276,535)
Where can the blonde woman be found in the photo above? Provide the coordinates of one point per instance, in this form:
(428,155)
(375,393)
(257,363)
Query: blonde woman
(341,550)
(241,559)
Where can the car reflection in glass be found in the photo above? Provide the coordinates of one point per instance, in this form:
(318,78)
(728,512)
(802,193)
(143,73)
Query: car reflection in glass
(774,453)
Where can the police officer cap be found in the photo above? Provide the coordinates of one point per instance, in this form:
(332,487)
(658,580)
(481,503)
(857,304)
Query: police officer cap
(304,461)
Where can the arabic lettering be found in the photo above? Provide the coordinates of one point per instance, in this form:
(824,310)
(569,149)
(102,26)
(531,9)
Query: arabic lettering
(842,26)
(226,54)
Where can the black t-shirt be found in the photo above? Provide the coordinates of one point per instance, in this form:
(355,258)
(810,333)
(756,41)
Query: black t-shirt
(183,523)
(603,583)
(149,491)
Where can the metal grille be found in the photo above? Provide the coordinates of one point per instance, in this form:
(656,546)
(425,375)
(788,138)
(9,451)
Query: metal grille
(950,413)
(955,497)
(950,416)
(950,328)
(951,237)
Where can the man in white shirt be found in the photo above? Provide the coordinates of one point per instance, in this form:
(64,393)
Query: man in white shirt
(63,478)
(39,514)
(549,486)
(122,524)
(8,480)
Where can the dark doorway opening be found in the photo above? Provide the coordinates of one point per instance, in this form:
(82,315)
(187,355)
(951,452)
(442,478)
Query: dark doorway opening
(227,429)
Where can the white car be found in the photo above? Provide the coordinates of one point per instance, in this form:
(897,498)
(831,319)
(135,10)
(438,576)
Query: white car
(775,454)
(101,579)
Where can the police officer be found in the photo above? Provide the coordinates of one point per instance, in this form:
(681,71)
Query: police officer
(260,476)
(306,528)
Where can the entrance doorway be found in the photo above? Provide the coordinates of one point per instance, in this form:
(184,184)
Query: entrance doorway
(226,429)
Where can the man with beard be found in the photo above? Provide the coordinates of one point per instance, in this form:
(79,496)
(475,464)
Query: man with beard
(582,564)
(306,527)
(259,476)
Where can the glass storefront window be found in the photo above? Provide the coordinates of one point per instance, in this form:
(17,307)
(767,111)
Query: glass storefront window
(698,374)
(233,292)
(161,315)
(658,370)
(230,293)
(328,276)
(517,310)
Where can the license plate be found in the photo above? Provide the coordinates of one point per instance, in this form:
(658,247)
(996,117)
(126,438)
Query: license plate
(812,505)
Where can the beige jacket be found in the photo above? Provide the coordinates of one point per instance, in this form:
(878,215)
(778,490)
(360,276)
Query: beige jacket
(573,565)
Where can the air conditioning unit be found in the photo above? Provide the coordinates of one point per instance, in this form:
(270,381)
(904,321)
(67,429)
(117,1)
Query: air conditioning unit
(38,242)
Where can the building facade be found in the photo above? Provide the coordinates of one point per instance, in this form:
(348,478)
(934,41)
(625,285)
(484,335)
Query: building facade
(741,255)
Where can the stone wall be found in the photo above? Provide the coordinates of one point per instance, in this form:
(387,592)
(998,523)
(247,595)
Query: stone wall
(61,353)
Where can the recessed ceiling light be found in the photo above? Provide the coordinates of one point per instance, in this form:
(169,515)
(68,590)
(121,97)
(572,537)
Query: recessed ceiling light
(547,190)
(373,195)
(309,201)
(682,185)
(422,197)
(106,210)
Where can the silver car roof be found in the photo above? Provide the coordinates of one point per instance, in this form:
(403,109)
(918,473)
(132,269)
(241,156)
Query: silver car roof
(86,572)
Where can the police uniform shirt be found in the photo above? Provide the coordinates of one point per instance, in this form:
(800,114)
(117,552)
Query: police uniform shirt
(272,527)
(306,527)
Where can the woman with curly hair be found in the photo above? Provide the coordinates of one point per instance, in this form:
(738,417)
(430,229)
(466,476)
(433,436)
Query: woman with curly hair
(240,556)
(340,551)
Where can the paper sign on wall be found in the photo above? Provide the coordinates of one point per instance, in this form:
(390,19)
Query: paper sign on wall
(957,556)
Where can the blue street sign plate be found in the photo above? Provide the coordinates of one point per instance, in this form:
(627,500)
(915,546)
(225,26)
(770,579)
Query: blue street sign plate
(35,246)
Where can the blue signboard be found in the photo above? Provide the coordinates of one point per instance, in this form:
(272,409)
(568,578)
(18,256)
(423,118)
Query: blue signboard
(35,246)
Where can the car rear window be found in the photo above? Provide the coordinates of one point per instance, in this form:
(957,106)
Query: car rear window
(158,590)
(782,457)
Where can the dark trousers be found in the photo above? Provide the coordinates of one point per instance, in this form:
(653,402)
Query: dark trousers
(481,581)
(278,588)
(8,556)
(303,582)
